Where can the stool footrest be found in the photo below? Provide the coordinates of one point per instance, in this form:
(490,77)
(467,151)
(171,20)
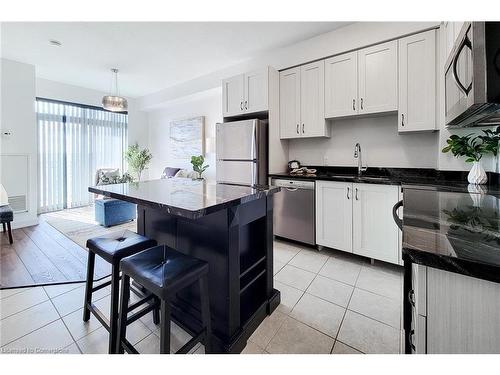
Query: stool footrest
(129,348)
(191,343)
(100,286)
(99,315)
(140,302)
(141,313)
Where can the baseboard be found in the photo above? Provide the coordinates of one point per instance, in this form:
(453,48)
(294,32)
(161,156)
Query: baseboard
(16,224)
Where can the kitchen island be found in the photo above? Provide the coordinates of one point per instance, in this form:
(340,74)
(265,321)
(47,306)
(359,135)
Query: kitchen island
(230,227)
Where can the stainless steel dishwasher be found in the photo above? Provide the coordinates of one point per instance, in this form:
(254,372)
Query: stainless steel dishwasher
(294,210)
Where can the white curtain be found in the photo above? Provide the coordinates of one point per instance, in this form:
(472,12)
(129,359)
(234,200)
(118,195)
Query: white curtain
(74,141)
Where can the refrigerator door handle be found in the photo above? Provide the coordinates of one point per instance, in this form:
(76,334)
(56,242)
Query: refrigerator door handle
(254,173)
(254,141)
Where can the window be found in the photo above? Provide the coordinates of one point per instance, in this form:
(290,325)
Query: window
(73,142)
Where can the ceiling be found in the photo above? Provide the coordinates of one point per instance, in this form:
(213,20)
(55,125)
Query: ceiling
(150,55)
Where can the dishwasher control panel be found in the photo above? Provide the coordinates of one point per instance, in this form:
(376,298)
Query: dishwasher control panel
(299,184)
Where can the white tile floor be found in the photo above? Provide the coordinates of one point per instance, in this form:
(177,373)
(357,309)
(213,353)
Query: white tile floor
(330,303)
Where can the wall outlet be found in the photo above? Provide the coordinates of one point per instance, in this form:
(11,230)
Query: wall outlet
(325,160)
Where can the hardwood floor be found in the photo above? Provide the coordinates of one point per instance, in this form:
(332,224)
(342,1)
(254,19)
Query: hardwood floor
(42,254)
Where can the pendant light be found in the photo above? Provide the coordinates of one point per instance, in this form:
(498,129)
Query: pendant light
(114,102)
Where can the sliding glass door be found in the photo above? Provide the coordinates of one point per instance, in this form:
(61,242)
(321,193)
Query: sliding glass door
(73,142)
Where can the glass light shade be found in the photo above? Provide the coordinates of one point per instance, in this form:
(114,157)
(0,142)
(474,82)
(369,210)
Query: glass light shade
(114,103)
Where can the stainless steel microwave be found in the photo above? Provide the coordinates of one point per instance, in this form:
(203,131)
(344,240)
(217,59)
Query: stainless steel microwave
(472,76)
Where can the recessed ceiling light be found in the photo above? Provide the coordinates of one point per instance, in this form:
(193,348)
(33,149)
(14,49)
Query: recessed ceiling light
(55,43)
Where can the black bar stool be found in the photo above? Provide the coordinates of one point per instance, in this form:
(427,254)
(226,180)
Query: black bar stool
(6,216)
(164,272)
(112,248)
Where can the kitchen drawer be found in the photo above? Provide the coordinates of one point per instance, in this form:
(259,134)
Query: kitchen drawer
(418,297)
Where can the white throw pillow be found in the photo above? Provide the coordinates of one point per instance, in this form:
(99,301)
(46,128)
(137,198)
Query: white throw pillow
(182,173)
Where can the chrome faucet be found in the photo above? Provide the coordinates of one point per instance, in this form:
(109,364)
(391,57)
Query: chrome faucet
(357,155)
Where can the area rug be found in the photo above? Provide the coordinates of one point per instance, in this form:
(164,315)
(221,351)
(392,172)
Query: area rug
(78,224)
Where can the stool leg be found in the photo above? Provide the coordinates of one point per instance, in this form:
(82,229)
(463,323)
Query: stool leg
(113,313)
(3,225)
(165,327)
(10,233)
(205,313)
(122,317)
(156,313)
(88,286)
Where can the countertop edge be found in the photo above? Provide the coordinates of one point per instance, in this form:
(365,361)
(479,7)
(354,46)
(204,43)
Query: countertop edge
(182,212)
(455,265)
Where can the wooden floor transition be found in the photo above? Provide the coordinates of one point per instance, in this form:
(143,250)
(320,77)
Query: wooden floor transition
(42,255)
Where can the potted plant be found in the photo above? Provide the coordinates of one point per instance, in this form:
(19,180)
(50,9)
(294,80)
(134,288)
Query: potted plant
(198,166)
(474,147)
(138,159)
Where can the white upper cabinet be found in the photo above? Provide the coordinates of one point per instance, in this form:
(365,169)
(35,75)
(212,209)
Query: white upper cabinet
(341,85)
(256,91)
(334,215)
(290,103)
(375,235)
(233,95)
(302,102)
(378,78)
(312,99)
(246,93)
(417,82)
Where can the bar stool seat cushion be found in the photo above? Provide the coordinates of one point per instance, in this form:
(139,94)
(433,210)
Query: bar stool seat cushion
(163,270)
(118,245)
(6,214)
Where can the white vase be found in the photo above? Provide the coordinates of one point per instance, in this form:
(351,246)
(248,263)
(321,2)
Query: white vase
(477,175)
(476,193)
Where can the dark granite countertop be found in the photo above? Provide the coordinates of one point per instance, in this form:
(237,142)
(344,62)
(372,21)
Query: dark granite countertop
(407,177)
(454,231)
(182,196)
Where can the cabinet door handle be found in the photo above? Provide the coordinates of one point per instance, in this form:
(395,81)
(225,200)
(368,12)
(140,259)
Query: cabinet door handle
(241,105)
(297,128)
(354,104)
(348,190)
(357,194)
(303,129)
(361,103)
(246,104)
(402,119)
(411,297)
(410,338)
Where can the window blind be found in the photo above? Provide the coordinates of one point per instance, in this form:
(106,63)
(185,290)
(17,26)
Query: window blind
(73,142)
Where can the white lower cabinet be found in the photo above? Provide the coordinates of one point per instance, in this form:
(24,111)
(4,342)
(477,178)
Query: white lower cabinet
(375,235)
(334,215)
(453,313)
(358,218)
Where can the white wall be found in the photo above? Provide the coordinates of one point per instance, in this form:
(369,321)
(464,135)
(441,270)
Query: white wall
(380,142)
(18,116)
(207,104)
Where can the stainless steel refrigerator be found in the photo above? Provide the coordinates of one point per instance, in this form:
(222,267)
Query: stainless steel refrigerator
(242,152)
